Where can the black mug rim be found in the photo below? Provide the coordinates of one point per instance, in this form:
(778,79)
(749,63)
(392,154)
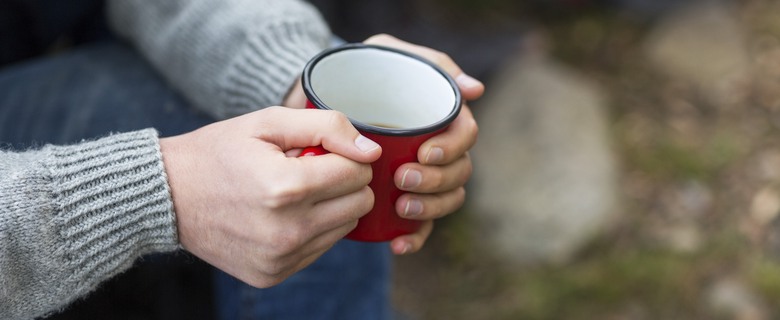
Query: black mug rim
(314,99)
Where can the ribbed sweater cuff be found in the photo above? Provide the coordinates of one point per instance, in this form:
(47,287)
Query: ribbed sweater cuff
(114,203)
(268,65)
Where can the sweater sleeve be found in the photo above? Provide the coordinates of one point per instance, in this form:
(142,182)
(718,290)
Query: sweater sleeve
(74,216)
(227,57)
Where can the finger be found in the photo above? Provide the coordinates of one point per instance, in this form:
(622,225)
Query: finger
(334,213)
(327,240)
(316,247)
(437,57)
(470,88)
(411,243)
(415,177)
(417,206)
(293,153)
(329,176)
(451,144)
(298,262)
(290,129)
(307,253)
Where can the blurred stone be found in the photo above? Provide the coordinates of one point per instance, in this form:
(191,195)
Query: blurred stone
(703,43)
(765,206)
(772,240)
(688,201)
(682,208)
(768,167)
(680,237)
(732,299)
(766,70)
(545,176)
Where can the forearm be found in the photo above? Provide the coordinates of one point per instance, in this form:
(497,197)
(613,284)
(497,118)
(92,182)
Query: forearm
(227,57)
(74,216)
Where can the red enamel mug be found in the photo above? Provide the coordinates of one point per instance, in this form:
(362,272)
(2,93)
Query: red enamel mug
(397,99)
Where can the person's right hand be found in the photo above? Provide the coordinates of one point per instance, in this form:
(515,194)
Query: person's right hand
(250,210)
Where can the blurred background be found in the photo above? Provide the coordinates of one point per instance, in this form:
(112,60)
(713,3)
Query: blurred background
(628,165)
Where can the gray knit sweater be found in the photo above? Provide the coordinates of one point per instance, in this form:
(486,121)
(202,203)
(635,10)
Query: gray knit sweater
(74,216)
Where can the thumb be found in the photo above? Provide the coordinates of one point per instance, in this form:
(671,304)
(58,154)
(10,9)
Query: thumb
(330,129)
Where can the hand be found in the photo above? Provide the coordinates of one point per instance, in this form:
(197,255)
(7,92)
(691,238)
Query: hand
(470,88)
(435,184)
(245,207)
(295,99)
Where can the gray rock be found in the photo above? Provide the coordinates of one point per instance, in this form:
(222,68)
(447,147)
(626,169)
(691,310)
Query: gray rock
(545,175)
(703,43)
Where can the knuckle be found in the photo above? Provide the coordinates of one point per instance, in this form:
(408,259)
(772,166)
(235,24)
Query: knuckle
(379,38)
(352,225)
(271,271)
(287,240)
(279,197)
(338,119)
(280,193)
(257,282)
(273,281)
(436,179)
(472,126)
(358,207)
(450,203)
(262,280)
(274,271)
(437,57)
(361,204)
(440,57)
(368,202)
(276,261)
(460,196)
(266,271)
(273,112)
(366,173)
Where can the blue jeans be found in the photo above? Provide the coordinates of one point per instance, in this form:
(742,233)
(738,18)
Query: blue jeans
(102,88)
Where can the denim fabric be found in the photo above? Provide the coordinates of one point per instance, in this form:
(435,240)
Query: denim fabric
(349,282)
(101,88)
(88,93)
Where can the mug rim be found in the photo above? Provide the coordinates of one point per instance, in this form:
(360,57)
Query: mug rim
(433,127)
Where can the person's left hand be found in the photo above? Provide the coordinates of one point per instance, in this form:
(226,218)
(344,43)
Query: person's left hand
(435,184)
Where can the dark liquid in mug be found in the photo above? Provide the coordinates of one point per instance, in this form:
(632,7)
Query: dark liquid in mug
(383,125)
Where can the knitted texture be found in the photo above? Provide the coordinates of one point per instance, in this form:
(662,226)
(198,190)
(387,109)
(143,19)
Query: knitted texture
(227,57)
(74,216)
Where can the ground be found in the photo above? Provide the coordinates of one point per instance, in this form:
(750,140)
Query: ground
(697,236)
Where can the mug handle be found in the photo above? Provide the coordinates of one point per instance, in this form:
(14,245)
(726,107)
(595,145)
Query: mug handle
(313,151)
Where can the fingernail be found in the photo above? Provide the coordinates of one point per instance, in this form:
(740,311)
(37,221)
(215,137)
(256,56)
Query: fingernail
(411,179)
(406,248)
(434,155)
(365,144)
(413,208)
(467,81)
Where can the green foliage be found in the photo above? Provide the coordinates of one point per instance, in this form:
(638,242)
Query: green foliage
(764,275)
(656,280)
(674,157)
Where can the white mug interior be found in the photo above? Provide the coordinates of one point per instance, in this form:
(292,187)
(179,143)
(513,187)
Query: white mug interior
(383,88)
